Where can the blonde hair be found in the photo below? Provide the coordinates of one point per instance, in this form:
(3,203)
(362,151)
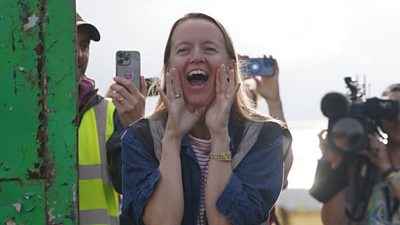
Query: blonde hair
(242,108)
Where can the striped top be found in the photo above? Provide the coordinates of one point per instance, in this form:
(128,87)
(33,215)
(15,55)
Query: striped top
(201,148)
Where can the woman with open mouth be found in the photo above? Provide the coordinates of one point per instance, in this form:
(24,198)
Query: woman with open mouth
(205,156)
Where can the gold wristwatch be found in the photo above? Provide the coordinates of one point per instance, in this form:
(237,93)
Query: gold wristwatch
(221,156)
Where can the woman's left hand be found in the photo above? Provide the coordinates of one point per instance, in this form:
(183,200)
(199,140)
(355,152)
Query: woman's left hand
(128,100)
(217,115)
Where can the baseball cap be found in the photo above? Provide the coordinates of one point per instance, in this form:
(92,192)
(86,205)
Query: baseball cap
(94,34)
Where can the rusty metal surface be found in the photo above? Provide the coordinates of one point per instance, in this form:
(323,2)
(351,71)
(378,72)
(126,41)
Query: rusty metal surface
(38,174)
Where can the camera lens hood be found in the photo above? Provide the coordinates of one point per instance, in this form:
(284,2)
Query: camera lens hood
(348,134)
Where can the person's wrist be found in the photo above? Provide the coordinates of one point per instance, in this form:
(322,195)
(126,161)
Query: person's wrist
(172,138)
(386,173)
(273,99)
(274,103)
(220,145)
(219,134)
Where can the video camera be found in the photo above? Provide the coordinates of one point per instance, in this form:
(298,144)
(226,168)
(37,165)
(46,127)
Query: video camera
(353,117)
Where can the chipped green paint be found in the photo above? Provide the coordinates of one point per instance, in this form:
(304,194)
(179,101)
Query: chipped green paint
(38,174)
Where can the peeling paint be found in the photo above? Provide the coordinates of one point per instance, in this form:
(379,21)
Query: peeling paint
(50,214)
(10,222)
(30,79)
(39,49)
(17,206)
(32,21)
(34,175)
(50,174)
(28,196)
(30,50)
(20,182)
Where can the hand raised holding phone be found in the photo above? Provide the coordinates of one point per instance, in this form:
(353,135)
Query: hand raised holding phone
(129,90)
(264,66)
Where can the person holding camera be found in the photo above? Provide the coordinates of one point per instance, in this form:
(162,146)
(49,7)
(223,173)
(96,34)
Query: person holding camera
(205,156)
(267,86)
(363,187)
(100,127)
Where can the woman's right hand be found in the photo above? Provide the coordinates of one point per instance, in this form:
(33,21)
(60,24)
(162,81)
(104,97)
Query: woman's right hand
(180,120)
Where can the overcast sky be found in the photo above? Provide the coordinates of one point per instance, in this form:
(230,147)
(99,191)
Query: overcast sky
(317,43)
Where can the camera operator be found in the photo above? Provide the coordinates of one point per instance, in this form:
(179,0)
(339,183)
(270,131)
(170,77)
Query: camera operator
(363,188)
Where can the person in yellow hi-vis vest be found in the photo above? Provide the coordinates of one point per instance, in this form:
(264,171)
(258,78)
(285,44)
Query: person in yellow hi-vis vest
(101,122)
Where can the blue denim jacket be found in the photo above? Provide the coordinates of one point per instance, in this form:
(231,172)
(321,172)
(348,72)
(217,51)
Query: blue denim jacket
(249,195)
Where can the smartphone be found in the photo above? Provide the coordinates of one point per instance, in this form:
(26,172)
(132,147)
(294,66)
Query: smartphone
(257,66)
(128,66)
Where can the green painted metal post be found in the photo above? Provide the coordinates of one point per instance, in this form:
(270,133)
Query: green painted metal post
(38,138)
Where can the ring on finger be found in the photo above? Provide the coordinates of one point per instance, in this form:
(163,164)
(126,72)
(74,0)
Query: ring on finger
(121,99)
(177,96)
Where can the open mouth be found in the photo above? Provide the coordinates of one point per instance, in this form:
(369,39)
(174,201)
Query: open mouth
(197,77)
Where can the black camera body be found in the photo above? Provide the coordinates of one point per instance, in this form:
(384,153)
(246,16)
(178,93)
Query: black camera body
(353,117)
(257,66)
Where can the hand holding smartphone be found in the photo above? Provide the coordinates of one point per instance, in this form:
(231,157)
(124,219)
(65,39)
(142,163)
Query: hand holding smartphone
(128,66)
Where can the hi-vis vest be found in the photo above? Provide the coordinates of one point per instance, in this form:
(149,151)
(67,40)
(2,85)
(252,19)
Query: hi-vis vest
(98,201)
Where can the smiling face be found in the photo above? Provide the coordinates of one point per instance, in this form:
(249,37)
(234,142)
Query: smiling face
(197,51)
